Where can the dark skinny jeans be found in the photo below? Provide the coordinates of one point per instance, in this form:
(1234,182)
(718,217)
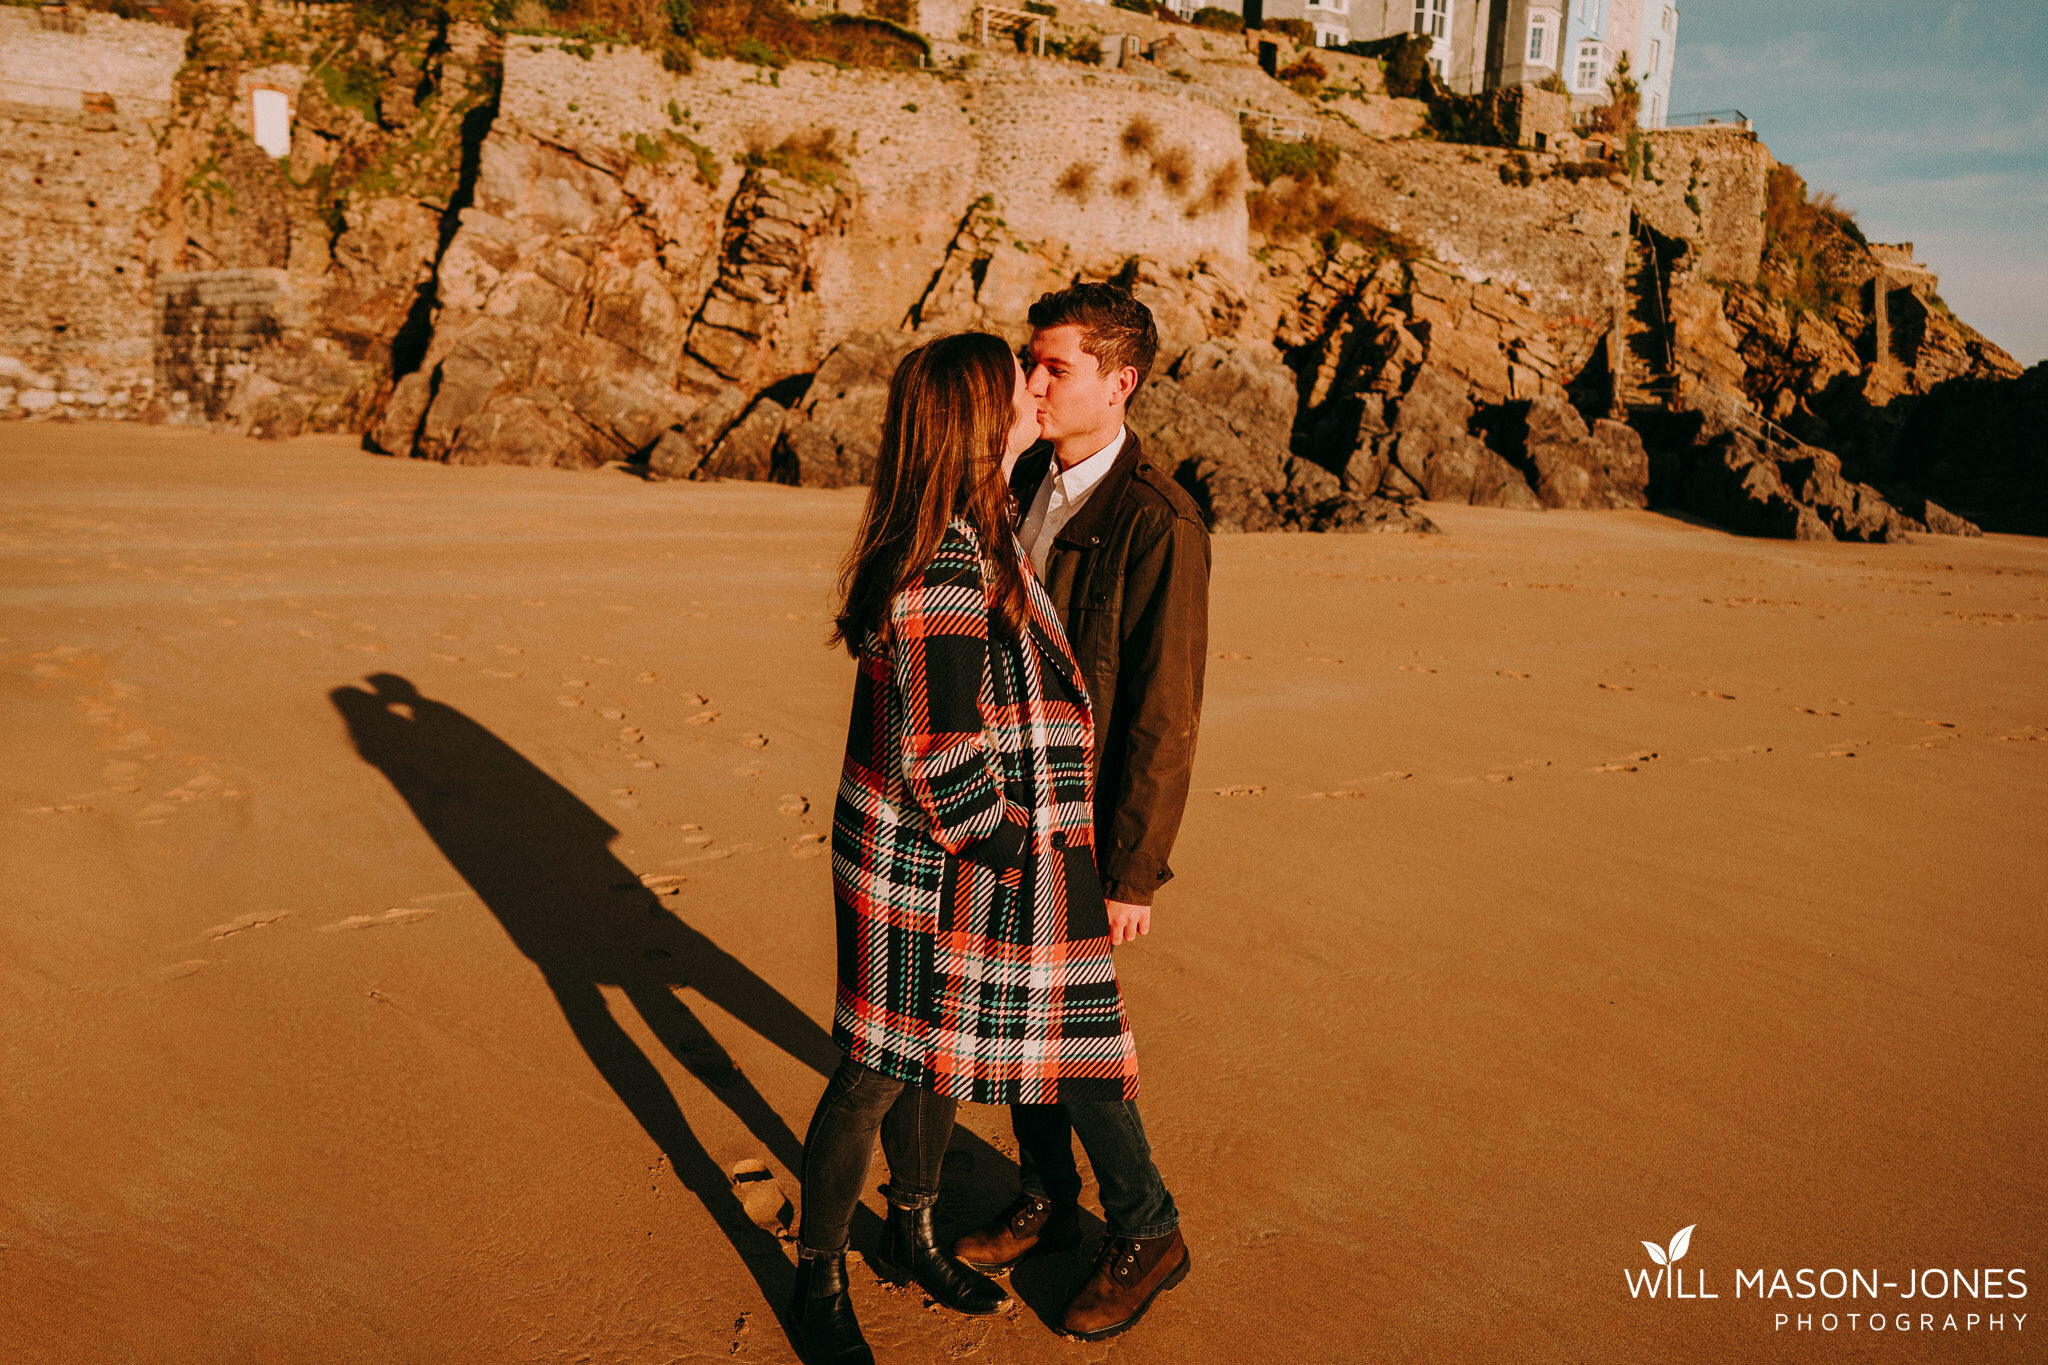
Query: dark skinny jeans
(916,1124)
(1135,1200)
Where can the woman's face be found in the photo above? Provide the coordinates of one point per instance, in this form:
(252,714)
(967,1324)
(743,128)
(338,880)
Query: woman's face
(1024,428)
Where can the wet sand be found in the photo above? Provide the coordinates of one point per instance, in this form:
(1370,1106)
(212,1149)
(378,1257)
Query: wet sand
(416,910)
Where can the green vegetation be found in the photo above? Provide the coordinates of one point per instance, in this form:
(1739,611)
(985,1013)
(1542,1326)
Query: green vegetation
(1301,30)
(1209,16)
(1405,60)
(1811,244)
(813,158)
(1269,159)
(653,151)
(350,83)
(1618,116)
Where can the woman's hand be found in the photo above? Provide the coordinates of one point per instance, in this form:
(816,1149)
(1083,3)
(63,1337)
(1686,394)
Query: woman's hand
(1127,921)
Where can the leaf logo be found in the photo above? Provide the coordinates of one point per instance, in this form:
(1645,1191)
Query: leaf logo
(1679,1243)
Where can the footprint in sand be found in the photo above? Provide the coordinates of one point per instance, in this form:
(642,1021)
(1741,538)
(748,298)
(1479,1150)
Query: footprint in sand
(754,741)
(1631,764)
(808,846)
(1241,789)
(625,798)
(1614,687)
(1416,668)
(630,735)
(500,673)
(397,915)
(1507,673)
(575,682)
(701,718)
(640,761)
(1353,793)
(763,1198)
(446,658)
(258,920)
(1233,656)
(1811,711)
(510,649)
(612,713)
(794,803)
(569,701)
(178,971)
(648,678)
(1717,696)
(662,883)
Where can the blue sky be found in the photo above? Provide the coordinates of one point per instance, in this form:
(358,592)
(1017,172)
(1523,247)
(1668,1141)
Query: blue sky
(1927,118)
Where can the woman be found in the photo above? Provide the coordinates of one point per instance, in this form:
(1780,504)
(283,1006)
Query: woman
(974,954)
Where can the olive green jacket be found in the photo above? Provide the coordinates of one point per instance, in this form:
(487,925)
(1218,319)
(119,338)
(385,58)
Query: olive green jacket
(1130,578)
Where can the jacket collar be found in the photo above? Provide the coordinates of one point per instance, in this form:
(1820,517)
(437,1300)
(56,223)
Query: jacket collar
(1088,523)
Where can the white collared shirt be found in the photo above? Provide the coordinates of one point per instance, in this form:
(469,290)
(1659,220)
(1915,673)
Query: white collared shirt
(1060,496)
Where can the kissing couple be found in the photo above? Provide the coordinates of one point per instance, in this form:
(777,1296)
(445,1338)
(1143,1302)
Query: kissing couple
(1027,602)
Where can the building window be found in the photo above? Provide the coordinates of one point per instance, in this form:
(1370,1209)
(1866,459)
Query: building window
(1656,111)
(1331,37)
(1656,56)
(1587,78)
(271,114)
(1670,19)
(1333,6)
(1433,18)
(1539,37)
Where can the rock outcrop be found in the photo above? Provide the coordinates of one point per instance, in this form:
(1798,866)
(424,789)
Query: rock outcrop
(542,250)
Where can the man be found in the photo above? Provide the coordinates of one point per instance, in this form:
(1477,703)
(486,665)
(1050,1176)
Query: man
(1124,555)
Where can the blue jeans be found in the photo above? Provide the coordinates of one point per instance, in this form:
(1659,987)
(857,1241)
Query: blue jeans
(1134,1198)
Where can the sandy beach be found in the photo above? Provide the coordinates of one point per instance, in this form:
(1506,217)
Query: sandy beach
(416,911)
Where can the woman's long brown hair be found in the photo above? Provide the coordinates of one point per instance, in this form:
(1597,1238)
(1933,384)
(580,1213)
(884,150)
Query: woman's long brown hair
(941,457)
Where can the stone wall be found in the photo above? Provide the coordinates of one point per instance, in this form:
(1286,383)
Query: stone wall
(1706,186)
(75,329)
(209,325)
(82,98)
(1559,243)
(59,59)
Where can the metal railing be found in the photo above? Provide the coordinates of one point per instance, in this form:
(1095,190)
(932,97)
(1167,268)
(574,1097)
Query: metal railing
(1713,118)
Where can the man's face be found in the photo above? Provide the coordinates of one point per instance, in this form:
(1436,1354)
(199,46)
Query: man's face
(1075,398)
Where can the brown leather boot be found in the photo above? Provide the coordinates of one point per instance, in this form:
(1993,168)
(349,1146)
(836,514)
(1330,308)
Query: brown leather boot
(1129,1273)
(1032,1223)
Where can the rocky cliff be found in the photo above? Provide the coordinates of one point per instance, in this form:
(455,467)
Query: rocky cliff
(554,250)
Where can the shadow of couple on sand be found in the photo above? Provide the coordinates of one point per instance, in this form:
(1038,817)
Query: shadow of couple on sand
(541,860)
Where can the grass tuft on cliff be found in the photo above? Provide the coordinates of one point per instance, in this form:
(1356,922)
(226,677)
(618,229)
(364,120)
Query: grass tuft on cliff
(765,32)
(1811,244)
(1269,159)
(812,158)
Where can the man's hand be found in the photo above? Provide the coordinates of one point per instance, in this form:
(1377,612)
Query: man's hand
(1127,921)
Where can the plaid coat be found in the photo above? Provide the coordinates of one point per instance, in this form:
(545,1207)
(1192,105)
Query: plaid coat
(974,953)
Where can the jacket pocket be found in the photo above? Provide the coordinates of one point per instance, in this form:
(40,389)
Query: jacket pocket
(1087,913)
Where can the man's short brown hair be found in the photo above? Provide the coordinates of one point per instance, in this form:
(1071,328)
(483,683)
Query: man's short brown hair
(1115,328)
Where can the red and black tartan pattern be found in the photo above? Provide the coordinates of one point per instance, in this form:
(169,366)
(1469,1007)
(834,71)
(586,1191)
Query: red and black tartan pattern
(974,953)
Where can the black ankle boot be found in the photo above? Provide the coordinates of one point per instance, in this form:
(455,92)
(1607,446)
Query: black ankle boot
(909,1246)
(821,1315)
